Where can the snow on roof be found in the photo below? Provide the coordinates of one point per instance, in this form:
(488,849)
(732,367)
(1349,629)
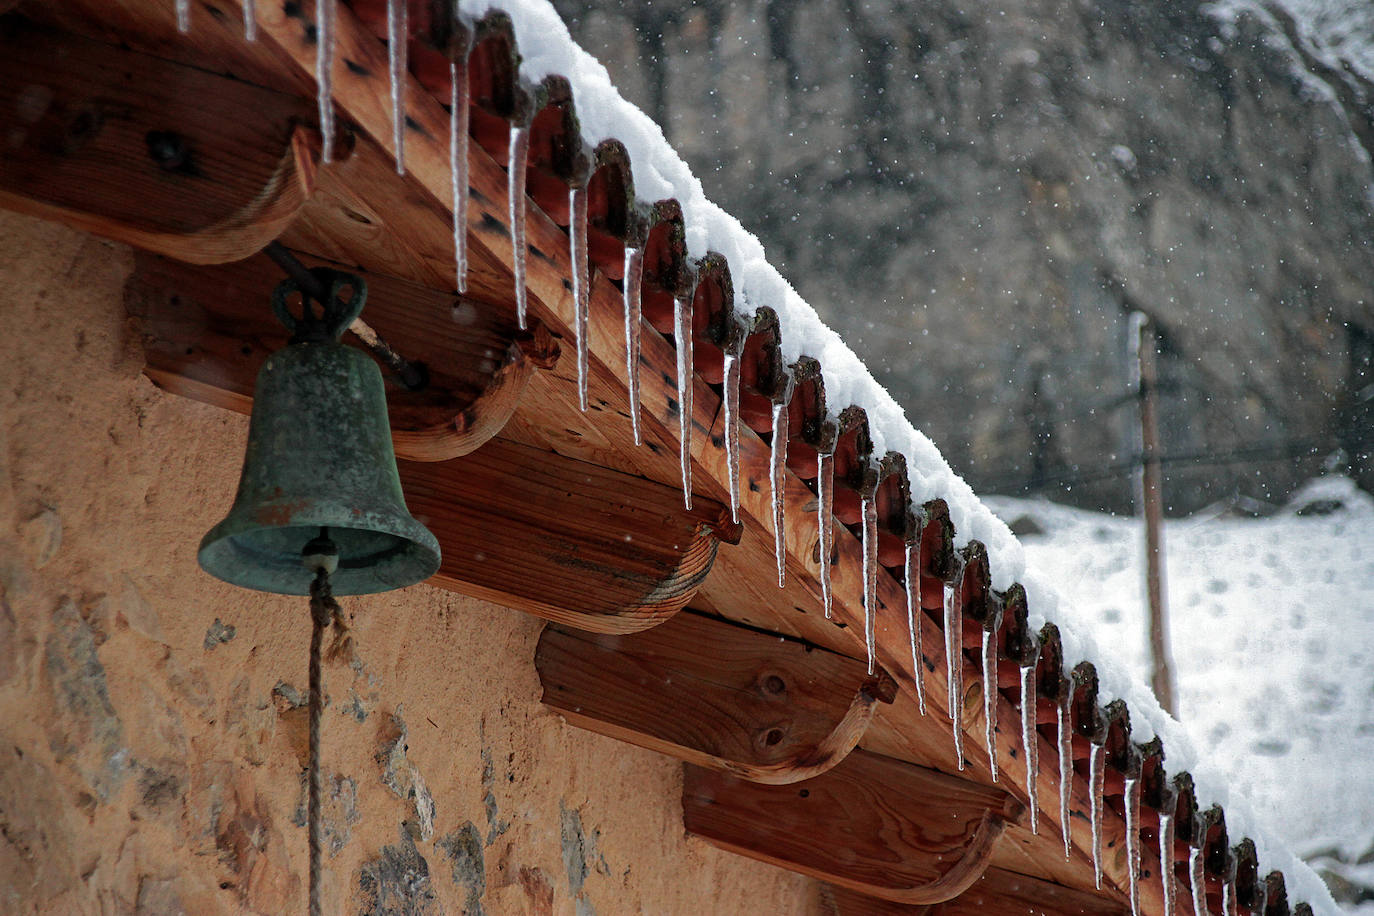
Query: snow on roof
(546,48)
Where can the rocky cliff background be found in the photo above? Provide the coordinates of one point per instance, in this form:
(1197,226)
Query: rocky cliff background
(976,196)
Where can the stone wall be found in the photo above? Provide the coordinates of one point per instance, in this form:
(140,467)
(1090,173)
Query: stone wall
(975,194)
(152,726)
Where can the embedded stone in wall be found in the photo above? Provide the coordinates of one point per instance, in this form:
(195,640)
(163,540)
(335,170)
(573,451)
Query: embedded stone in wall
(396,883)
(86,732)
(464,850)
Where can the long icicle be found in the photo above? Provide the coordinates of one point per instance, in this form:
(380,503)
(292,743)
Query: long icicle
(1064,740)
(954,657)
(398,51)
(458,168)
(911,570)
(1166,862)
(869,510)
(1133,842)
(634,271)
(183,16)
(1198,880)
(1030,743)
(682,334)
(324,75)
(515,194)
(577,250)
(250,20)
(733,368)
(990,698)
(1097,762)
(777,478)
(825,490)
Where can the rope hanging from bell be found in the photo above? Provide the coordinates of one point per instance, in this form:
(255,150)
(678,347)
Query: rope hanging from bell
(319,508)
(321,557)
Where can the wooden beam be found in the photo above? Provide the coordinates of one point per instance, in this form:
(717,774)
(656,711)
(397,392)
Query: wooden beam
(161,156)
(207,330)
(997,892)
(714,694)
(871,824)
(569,541)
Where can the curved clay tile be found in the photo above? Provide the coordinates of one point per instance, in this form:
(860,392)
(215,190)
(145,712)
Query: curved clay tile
(897,522)
(1276,894)
(714,297)
(558,158)
(979,602)
(1052,681)
(613,219)
(441,37)
(1019,644)
(496,97)
(1250,888)
(855,471)
(1123,757)
(763,378)
(1088,721)
(668,272)
(809,429)
(1217,860)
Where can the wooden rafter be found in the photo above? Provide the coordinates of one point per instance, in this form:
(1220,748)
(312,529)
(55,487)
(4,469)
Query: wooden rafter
(872,824)
(714,694)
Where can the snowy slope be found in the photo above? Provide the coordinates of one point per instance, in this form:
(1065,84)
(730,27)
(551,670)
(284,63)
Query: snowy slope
(1273,642)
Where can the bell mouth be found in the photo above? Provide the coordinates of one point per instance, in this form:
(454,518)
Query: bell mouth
(269,558)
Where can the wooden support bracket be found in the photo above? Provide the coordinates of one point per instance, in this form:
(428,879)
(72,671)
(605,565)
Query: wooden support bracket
(569,541)
(872,824)
(158,155)
(714,694)
(207,330)
(996,893)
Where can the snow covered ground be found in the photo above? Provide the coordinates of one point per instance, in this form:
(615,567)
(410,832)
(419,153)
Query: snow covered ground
(1272,626)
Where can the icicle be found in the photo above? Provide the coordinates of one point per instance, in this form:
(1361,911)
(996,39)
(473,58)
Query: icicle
(954,658)
(777,476)
(825,490)
(577,245)
(1097,763)
(324,75)
(1030,743)
(250,20)
(1133,842)
(1198,881)
(1064,738)
(869,508)
(1166,862)
(990,697)
(911,571)
(634,269)
(682,334)
(398,49)
(1228,898)
(458,169)
(515,193)
(183,16)
(733,366)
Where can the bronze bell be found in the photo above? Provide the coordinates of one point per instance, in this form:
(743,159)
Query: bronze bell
(320,457)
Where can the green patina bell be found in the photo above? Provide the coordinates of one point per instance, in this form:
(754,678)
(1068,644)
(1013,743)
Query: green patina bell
(320,457)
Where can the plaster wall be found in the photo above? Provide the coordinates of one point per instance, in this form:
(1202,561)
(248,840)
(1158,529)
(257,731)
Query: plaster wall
(152,719)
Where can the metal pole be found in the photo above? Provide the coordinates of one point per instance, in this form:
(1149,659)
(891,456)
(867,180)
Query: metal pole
(1151,506)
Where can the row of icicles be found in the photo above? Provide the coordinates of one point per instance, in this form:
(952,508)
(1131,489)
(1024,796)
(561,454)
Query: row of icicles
(397,30)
